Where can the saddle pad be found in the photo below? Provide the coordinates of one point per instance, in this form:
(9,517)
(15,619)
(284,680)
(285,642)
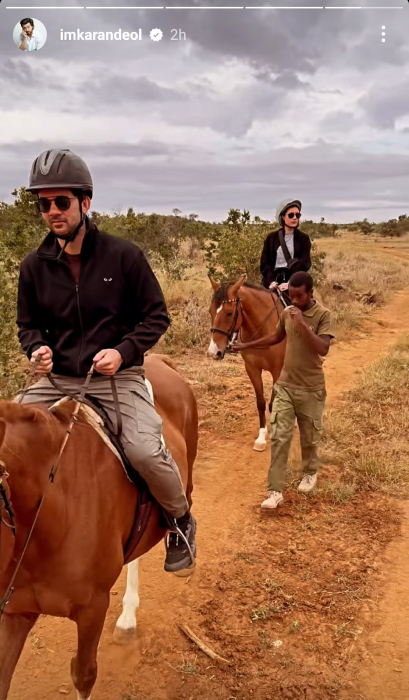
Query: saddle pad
(94,421)
(150,389)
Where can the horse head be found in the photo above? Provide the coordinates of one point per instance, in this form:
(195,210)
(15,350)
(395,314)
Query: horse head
(226,314)
(29,440)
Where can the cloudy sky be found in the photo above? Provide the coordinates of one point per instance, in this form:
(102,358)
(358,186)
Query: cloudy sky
(256,105)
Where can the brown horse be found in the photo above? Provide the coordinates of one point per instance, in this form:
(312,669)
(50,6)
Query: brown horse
(252,311)
(77,549)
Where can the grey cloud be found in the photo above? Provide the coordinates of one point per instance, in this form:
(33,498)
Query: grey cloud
(288,80)
(330,183)
(384,107)
(120,90)
(340,121)
(281,53)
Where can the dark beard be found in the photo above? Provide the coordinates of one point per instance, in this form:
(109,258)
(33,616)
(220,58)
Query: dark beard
(64,236)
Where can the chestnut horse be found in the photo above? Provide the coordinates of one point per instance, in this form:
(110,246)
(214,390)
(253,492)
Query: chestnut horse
(253,311)
(77,548)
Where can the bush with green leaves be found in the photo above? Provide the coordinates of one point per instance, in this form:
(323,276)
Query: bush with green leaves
(11,360)
(394,228)
(160,237)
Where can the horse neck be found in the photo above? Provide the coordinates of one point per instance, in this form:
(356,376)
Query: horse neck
(28,451)
(258,312)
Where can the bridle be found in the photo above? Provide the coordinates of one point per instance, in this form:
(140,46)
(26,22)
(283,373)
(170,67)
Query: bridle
(233,330)
(5,503)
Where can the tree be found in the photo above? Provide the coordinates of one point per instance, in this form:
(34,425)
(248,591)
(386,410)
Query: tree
(366,227)
(21,225)
(233,218)
(390,228)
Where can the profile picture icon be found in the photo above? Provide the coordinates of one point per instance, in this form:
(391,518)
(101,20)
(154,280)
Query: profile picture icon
(29,34)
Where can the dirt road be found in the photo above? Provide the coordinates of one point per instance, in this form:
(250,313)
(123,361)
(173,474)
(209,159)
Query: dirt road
(229,483)
(380,668)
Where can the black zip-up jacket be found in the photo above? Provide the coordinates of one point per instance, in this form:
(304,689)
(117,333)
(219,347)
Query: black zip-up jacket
(117,304)
(302,251)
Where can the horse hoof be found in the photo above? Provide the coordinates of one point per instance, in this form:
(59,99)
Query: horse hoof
(259,446)
(184,573)
(123,637)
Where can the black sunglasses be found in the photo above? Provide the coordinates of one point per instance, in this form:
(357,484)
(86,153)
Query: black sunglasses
(292,215)
(62,203)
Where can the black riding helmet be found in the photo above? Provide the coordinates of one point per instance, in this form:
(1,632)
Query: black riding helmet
(60,168)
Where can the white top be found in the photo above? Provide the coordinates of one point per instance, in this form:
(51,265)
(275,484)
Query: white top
(35,43)
(280,259)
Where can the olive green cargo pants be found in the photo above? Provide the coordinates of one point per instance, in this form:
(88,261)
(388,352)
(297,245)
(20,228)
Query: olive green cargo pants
(308,408)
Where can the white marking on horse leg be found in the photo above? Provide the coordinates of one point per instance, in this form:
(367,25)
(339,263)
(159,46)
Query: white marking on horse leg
(261,442)
(81,697)
(130,601)
(213,349)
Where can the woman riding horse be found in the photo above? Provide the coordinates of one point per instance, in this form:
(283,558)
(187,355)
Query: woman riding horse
(287,250)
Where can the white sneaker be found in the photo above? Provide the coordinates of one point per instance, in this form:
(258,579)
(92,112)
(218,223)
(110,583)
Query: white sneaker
(274,499)
(308,482)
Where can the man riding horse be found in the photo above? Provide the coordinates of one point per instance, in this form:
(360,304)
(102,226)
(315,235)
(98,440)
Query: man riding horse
(88,297)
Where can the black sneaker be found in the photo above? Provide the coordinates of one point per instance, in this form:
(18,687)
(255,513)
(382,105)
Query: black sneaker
(178,556)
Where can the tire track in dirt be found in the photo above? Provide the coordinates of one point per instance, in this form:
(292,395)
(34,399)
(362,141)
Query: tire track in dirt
(229,482)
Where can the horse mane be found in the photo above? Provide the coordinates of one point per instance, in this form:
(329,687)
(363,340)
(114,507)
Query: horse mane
(167,361)
(16,414)
(221,294)
(13,412)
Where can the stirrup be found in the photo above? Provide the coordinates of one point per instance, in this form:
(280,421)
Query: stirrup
(178,531)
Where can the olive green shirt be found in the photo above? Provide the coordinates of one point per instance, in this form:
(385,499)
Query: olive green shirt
(302,367)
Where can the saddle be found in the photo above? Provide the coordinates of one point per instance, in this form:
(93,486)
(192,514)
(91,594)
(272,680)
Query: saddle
(96,416)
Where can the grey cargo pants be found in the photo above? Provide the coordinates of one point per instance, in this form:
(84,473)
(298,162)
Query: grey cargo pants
(141,429)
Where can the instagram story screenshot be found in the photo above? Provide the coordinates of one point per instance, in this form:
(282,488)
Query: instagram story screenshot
(204,295)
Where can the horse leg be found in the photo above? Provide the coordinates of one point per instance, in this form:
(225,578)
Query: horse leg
(90,622)
(126,625)
(13,634)
(255,376)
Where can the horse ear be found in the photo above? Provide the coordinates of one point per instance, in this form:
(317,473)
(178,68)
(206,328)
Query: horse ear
(238,284)
(215,285)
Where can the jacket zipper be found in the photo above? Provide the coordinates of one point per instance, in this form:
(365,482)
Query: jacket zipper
(81,326)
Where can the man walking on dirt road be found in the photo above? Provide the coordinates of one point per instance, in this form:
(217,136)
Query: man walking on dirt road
(300,390)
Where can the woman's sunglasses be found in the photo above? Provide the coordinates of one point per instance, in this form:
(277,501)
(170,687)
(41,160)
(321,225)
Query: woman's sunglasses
(62,203)
(293,215)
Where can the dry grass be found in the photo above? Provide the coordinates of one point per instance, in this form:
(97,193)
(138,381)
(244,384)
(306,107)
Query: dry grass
(368,437)
(356,262)
(188,303)
(359,266)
